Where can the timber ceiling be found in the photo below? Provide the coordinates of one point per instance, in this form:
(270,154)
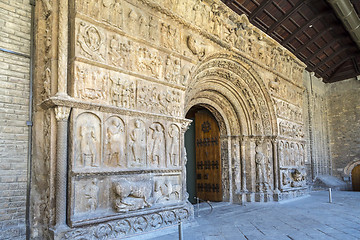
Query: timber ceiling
(311,30)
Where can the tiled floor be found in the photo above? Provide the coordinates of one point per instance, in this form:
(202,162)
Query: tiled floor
(311,217)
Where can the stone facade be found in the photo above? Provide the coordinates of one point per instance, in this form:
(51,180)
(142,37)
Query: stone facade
(113,83)
(14,113)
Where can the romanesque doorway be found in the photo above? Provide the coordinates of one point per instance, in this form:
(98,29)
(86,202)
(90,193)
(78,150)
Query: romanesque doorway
(355,178)
(204,162)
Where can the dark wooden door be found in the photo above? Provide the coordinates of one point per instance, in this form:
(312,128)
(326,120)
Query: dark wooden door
(208,161)
(355,178)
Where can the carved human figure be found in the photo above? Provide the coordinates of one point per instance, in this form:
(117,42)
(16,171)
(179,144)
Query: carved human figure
(88,147)
(91,193)
(216,19)
(152,28)
(138,145)
(158,146)
(261,175)
(116,16)
(115,141)
(174,157)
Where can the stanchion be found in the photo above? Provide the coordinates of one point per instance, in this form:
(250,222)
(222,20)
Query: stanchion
(180,231)
(330,198)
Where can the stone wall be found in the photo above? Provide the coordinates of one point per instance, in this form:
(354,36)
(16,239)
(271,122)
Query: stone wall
(344,125)
(14,106)
(317,131)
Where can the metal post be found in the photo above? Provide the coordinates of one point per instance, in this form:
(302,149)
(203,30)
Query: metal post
(180,231)
(330,198)
(198,206)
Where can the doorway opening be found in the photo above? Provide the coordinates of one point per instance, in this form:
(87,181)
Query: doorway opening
(355,178)
(203,169)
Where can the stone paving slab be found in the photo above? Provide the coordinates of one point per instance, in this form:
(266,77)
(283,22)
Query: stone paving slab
(311,217)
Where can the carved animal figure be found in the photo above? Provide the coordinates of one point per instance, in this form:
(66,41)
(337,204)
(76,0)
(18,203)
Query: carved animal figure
(132,196)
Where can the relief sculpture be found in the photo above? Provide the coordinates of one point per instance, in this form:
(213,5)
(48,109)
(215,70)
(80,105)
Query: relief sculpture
(90,83)
(165,191)
(87,140)
(115,142)
(122,92)
(138,145)
(174,148)
(91,193)
(91,42)
(132,195)
(157,145)
(261,173)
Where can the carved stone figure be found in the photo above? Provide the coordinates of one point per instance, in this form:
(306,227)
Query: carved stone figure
(91,41)
(132,195)
(298,178)
(116,17)
(153,28)
(261,175)
(172,70)
(216,18)
(91,193)
(157,156)
(196,48)
(165,191)
(174,157)
(88,147)
(115,142)
(138,145)
(122,92)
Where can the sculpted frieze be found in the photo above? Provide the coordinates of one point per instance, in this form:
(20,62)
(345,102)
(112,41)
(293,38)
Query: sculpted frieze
(291,153)
(91,83)
(290,129)
(122,91)
(284,90)
(288,111)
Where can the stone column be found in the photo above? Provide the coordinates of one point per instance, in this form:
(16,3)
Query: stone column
(62,115)
(184,127)
(243,165)
(276,165)
(63,27)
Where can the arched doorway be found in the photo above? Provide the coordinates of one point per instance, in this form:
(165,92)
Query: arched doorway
(355,178)
(202,141)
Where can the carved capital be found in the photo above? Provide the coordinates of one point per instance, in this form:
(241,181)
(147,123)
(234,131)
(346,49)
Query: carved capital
(185,125)
(62,113)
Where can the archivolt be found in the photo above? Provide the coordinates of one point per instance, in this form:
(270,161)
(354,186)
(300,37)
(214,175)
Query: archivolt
(230,83)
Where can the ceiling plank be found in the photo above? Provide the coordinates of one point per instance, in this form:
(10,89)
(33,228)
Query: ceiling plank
(332,56)
(310,22)
(261,7)
(286,16)
(322,49)
(313,39)
(334,67)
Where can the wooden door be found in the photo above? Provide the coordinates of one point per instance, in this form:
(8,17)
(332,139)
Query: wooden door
(208,161)
(355,178)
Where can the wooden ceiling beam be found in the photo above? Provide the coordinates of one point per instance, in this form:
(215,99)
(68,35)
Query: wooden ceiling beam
(316,53)
(335,66)
(314,19)
(261,7)
(286,16)
(313,39)
(332,56)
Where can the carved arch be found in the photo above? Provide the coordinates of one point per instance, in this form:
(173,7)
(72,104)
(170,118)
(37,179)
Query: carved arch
(229,82)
